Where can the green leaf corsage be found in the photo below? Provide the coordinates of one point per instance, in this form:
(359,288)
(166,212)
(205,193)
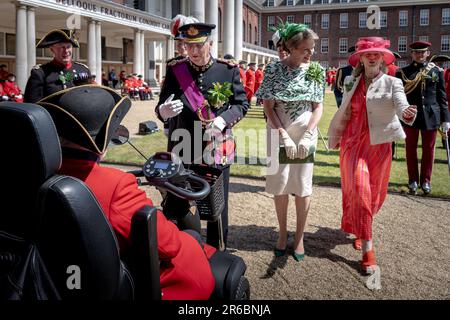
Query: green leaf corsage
(315,73)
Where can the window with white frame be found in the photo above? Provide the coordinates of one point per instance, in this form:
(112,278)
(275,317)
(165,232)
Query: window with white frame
(270,22)
(325,21)
(362,0)
(383,19)
(344,1)
(324,45)
(445,16)
(324,64)
(445,43)
(343,20)
(343,45)
(306,1)
(424,17)
(424,38)
(290,19)
(362,20)
(402,42)
(403,18)
(401,63)
(307,19)
(325,1)
(342,63)
(290,2)
(271,3)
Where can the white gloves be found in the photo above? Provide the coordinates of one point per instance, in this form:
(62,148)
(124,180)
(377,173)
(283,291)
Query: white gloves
(289,145)
(445,126)
(216,127)
(304,144)
(170,109)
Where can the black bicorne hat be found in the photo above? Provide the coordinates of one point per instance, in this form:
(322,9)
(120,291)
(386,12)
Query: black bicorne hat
(440,58)
(57,36)
(87,115)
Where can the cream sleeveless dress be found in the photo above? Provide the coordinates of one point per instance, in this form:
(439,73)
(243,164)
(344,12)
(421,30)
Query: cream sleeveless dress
(294,93)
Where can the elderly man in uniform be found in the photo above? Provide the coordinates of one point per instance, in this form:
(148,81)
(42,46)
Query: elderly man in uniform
(185,92)
(425,88)
(60,73)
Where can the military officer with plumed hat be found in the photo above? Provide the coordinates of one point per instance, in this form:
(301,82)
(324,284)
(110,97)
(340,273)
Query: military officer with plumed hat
(60,73)
(186,102)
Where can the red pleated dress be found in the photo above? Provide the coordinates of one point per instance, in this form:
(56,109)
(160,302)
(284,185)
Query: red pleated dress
(365,170)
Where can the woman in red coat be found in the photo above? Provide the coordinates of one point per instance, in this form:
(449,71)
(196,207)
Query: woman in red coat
(185,272)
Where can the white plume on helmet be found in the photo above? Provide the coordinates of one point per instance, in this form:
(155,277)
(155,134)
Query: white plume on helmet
(178,21)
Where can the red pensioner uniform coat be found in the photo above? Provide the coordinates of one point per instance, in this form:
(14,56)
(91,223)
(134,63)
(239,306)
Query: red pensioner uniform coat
(185,272)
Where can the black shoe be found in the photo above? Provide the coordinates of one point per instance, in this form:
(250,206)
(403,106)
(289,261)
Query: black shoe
(426,188)
(412,186)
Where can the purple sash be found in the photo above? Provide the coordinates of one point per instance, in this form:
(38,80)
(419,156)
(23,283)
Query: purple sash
(191,91)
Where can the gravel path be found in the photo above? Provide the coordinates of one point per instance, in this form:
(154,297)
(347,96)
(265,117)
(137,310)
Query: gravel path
(411,238)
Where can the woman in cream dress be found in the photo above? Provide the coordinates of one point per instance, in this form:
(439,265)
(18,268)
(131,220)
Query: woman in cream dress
(293,92)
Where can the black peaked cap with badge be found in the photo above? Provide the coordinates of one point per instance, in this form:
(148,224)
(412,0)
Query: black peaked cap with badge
(420,46)
(87,115)
(196,32)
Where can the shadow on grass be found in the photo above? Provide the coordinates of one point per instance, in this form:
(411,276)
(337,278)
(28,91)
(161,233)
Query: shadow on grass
(319,244)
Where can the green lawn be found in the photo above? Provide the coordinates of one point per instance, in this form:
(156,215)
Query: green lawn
(326,169)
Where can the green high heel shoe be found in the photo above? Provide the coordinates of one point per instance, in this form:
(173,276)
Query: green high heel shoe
(298,256)
(279,252)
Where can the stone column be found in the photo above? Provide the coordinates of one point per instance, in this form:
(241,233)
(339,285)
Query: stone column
(150,6)
(170,49)
(21,46)
(152,64)
(238,32)
(31,39)
(212,16)
(228,27)
(168,10)
(92,49)
(98,41)
(137,52)
(184,7)
(197,9)
(143,62)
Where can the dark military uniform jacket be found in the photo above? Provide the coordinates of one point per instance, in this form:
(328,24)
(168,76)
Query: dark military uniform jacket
(428,95)
(52,77)
(341,73)
(217,71)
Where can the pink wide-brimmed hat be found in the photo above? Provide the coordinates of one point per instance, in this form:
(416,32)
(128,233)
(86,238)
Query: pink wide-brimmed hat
(372,44)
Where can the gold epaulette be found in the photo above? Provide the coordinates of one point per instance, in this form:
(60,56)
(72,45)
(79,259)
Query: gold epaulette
(82,64)
(175,61)
(228,62)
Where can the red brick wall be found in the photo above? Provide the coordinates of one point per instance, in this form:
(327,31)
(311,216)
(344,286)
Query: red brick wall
(434,30)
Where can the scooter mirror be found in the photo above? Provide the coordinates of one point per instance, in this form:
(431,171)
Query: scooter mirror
(120,136)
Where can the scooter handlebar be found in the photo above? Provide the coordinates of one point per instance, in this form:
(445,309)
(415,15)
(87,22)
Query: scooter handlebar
(189,195)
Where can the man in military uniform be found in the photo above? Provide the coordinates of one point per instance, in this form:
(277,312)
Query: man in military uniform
(424,87)
(60,73)
(185,92)
(341,73)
